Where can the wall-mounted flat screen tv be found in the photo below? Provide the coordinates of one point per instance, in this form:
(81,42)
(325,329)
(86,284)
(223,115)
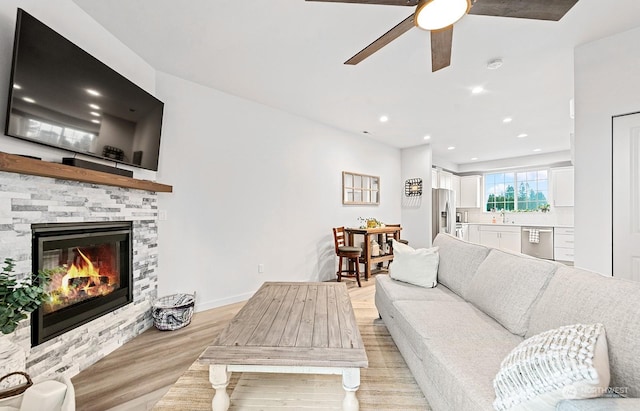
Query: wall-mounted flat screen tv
(63,97)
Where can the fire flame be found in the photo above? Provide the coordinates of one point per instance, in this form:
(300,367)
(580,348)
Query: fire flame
(87,270)
(64,291)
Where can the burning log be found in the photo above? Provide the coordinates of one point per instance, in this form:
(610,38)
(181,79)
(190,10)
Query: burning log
(84,282)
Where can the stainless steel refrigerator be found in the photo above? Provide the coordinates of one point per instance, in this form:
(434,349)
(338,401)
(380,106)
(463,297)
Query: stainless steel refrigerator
(443,212)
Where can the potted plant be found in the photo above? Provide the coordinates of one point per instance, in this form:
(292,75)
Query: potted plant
(18,298)
(369,222)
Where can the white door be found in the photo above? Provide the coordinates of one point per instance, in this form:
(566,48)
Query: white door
(626,196)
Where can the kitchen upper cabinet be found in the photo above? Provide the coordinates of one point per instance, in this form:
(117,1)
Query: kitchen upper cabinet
(470,192)
(456,188)
(441,179)
(445,180)
(504,238)
(562,180)
(434,178)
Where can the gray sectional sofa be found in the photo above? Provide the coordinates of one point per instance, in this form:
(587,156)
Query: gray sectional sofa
(453,337)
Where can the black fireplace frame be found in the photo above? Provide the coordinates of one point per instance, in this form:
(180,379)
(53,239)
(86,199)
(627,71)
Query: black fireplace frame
(44,327)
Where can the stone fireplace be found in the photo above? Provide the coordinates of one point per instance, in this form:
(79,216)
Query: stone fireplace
(91,273)
(31,204)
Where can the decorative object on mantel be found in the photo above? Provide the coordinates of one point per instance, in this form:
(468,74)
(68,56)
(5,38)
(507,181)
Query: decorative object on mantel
(18,164)
(413,187)
(19,298)
(360,189)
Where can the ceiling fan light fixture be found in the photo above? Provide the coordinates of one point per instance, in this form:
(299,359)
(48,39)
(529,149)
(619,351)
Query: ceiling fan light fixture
(438,14)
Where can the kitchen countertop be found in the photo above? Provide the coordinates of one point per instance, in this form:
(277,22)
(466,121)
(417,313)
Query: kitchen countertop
(522,225)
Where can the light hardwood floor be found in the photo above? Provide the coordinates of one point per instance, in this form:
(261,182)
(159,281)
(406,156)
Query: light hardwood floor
(136,375)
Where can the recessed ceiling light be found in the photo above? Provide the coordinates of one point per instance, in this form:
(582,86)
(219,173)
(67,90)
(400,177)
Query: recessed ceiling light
(451,148)
(28,99)
(94,106)
(427,137)
(494,64)
(17,86)
(474,158)
(537,149)
(93,92)
(477,90)
(507,120)
(384,119)
(523,135)
(93,113)
(95,121)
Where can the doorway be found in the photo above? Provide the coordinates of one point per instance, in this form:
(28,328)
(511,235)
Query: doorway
(626,196)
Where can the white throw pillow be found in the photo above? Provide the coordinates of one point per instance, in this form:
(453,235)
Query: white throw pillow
(569,362)
(419,267)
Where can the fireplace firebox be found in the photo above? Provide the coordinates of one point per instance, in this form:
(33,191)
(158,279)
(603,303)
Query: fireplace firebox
(91,273)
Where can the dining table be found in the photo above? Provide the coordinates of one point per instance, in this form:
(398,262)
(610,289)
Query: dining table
(380,234)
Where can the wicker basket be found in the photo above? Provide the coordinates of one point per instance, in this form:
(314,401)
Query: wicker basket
(18,389)
(173,311)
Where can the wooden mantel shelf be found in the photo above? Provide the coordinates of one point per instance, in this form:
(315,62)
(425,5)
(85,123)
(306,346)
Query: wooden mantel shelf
(22,165)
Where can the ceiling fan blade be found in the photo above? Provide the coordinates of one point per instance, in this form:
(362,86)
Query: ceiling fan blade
(441,42)
(383,2)
(382,41)
(525,9)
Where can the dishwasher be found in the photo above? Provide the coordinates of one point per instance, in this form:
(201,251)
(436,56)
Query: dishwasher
(537,242)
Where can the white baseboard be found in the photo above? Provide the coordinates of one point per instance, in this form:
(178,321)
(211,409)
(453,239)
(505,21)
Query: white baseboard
(224,301)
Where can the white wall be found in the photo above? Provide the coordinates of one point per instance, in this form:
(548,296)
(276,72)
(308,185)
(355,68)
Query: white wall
(254,185)
(416,211)
(65,17)
(251,184)
(606,84)
(554,159)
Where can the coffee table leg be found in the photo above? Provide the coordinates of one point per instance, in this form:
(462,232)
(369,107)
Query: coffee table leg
(350,383)
(219,378)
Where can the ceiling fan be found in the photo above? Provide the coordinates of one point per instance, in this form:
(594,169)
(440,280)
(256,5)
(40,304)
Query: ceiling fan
(438,16)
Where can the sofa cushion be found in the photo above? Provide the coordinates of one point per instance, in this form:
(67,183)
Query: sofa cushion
(570,362)
(579,296)
(460,347)
(507,285)
(459,261)
(414,266)
(396,290)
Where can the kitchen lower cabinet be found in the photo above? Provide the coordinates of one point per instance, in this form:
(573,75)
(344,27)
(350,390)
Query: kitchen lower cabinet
(473,233)
(563,244)
(502,237)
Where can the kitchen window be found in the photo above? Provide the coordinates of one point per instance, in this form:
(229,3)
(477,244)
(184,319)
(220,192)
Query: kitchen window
(516,190)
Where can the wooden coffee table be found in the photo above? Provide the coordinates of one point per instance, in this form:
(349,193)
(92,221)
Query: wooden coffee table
(304,328)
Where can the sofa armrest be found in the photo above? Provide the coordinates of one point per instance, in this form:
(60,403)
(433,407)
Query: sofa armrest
(600,404)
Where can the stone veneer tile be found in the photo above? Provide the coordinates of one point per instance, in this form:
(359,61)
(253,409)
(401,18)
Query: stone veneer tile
(25,200)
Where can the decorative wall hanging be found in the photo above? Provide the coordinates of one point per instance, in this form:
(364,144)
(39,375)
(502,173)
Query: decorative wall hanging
(360,189)
(413,187)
